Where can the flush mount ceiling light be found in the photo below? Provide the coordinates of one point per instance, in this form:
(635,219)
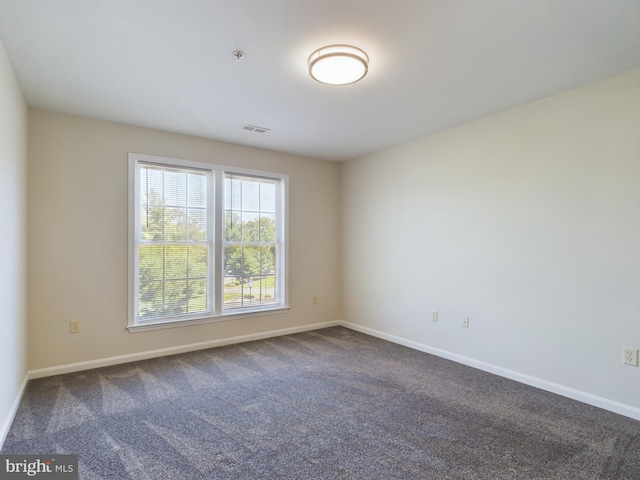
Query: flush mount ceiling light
(338,64)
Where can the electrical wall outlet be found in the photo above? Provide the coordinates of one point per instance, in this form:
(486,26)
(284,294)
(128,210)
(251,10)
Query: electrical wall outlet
(74,326)
(630,356)
(434,315)
(465,321)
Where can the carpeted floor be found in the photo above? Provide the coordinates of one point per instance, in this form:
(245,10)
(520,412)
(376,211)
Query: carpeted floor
(328,404)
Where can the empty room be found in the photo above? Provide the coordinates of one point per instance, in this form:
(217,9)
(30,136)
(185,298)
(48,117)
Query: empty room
(355,239)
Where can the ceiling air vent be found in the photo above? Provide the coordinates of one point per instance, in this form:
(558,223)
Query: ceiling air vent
(254,128)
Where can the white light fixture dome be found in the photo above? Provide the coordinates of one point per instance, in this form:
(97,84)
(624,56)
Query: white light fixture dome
(338,64)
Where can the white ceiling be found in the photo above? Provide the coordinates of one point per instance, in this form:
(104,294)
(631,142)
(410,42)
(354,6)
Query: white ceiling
(168,64)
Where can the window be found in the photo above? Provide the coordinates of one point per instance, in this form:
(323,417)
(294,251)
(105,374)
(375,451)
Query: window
(206,242)
(251,249)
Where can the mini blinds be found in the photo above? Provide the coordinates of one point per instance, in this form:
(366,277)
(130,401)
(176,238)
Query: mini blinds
(174,245)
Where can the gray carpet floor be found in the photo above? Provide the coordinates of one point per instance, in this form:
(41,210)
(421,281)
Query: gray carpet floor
(327,404)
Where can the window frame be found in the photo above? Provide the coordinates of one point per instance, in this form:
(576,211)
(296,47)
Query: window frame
(215,230)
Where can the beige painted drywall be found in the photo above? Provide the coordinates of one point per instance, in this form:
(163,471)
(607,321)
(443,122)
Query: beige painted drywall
(78,238)
(527,221)
(13,196)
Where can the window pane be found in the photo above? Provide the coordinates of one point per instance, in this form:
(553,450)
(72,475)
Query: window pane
(198,263)
(233,261)
(175,297)
(267,228)
(151,263)
(150,186)
(151,223)
(268,289)
(251,261)
(197,228)
(232,227)
(197,186)
(232,193)
(232,292)
(151,300)
(268,197)
(268,260)
(250,195)
(175,224)
(151,204)
(175,261)
(250,227)
(197,296)
(175,188)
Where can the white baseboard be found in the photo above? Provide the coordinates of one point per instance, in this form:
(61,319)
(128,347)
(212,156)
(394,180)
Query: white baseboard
(584,397)
(12,413)
(105,362)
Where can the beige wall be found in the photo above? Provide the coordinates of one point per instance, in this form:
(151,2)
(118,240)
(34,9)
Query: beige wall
(528,222)
(78,238)
(13,196)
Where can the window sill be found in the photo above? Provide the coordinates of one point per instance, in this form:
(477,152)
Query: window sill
(199,321)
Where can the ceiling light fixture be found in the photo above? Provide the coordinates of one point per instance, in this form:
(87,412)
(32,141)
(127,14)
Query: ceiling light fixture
(338,64)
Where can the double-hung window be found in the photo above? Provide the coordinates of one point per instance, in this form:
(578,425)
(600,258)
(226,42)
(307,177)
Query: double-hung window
(205,242)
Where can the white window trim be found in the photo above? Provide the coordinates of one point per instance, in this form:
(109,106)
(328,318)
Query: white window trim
(216,228)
